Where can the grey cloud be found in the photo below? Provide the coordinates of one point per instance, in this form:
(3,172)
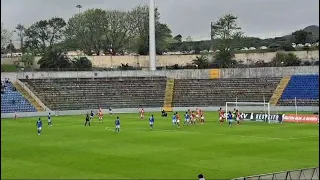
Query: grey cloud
(262,18)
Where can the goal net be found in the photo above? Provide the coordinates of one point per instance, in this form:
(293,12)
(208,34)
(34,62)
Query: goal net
(253,111)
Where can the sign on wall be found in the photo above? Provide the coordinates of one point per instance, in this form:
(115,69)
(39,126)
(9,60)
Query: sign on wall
(214,73)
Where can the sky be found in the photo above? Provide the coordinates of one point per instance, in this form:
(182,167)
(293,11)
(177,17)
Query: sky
(258,18)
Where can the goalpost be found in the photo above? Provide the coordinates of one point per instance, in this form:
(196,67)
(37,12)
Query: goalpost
(251,107)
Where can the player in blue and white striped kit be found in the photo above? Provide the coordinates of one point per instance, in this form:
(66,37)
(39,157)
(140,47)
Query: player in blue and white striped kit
(186,119)
(229,117)
(39,126)
(117,123)
(174,119)
(49,120)
(151,121)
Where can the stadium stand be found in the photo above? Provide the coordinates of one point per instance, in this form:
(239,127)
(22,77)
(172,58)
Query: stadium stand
(305,88)
(118,92)
(216,92)
(12,100)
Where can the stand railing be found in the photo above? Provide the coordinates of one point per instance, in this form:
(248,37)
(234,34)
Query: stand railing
(300,174)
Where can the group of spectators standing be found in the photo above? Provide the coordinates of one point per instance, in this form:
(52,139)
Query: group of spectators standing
(4,84)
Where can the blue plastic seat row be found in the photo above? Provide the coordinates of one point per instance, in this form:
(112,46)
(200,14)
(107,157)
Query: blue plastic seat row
(302,87)
(21,104)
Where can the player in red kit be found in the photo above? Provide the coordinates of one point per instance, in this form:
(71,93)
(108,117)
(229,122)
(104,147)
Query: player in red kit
(238,117)
(178,119)
(201,116)
(221,116)
(100,114)
(142,114)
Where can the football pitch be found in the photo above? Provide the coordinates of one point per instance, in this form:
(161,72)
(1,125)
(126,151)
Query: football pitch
(69,150)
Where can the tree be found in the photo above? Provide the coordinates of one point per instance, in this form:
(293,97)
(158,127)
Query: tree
(287,47)
(228,32)
(178,38)
(20,29)
(27,60)
(163,32)
(285,59)
(44,34)
(5,36)
(189,39)
(163,35)
(10,48)
(225,59)
(121,29)
(301,36)
(201,62)
(55,59)
(87,30)
(185,47)
(82,63)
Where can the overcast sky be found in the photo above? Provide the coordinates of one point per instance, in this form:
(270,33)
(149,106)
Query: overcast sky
(259,18)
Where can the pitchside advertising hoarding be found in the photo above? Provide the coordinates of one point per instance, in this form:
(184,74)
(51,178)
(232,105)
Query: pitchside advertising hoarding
(293,118)
(261,117)
(301,118)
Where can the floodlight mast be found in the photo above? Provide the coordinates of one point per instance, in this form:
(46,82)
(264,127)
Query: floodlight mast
(152,36)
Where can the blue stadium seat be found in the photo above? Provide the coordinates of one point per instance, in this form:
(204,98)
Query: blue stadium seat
(302,87)
(20,103)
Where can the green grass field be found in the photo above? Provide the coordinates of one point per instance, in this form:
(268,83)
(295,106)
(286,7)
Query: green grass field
(71,150)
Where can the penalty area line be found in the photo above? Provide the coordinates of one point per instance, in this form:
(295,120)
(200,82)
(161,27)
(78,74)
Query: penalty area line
(219,134)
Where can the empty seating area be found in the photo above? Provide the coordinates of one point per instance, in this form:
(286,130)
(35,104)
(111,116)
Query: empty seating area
(117,92)
(303,88)
(12,100)
(206,92)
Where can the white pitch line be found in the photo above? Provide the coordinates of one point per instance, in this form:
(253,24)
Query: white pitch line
(219,134)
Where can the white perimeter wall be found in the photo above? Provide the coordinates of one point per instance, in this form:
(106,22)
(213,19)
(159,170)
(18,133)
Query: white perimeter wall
(273,109)
(176,74)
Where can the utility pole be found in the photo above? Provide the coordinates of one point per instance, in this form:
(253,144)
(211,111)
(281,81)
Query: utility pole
(211,36)
(10,47)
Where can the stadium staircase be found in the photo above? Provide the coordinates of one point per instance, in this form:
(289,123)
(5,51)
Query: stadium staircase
(26,95)
(168,97)
(302,90)
(279,90)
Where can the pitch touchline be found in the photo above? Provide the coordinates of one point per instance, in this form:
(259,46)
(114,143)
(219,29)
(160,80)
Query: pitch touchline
(219,134)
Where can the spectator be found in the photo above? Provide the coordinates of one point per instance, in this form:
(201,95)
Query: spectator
(201,177)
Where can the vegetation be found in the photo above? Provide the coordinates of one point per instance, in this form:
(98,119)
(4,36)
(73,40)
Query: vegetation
(27,60)
(73,151)
(115,32)
(9,68)
(5,36)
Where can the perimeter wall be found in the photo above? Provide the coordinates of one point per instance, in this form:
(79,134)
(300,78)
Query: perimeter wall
(273,110)
(169,60)
(176,74)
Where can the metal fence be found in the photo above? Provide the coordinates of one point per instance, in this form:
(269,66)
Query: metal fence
(300,174)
